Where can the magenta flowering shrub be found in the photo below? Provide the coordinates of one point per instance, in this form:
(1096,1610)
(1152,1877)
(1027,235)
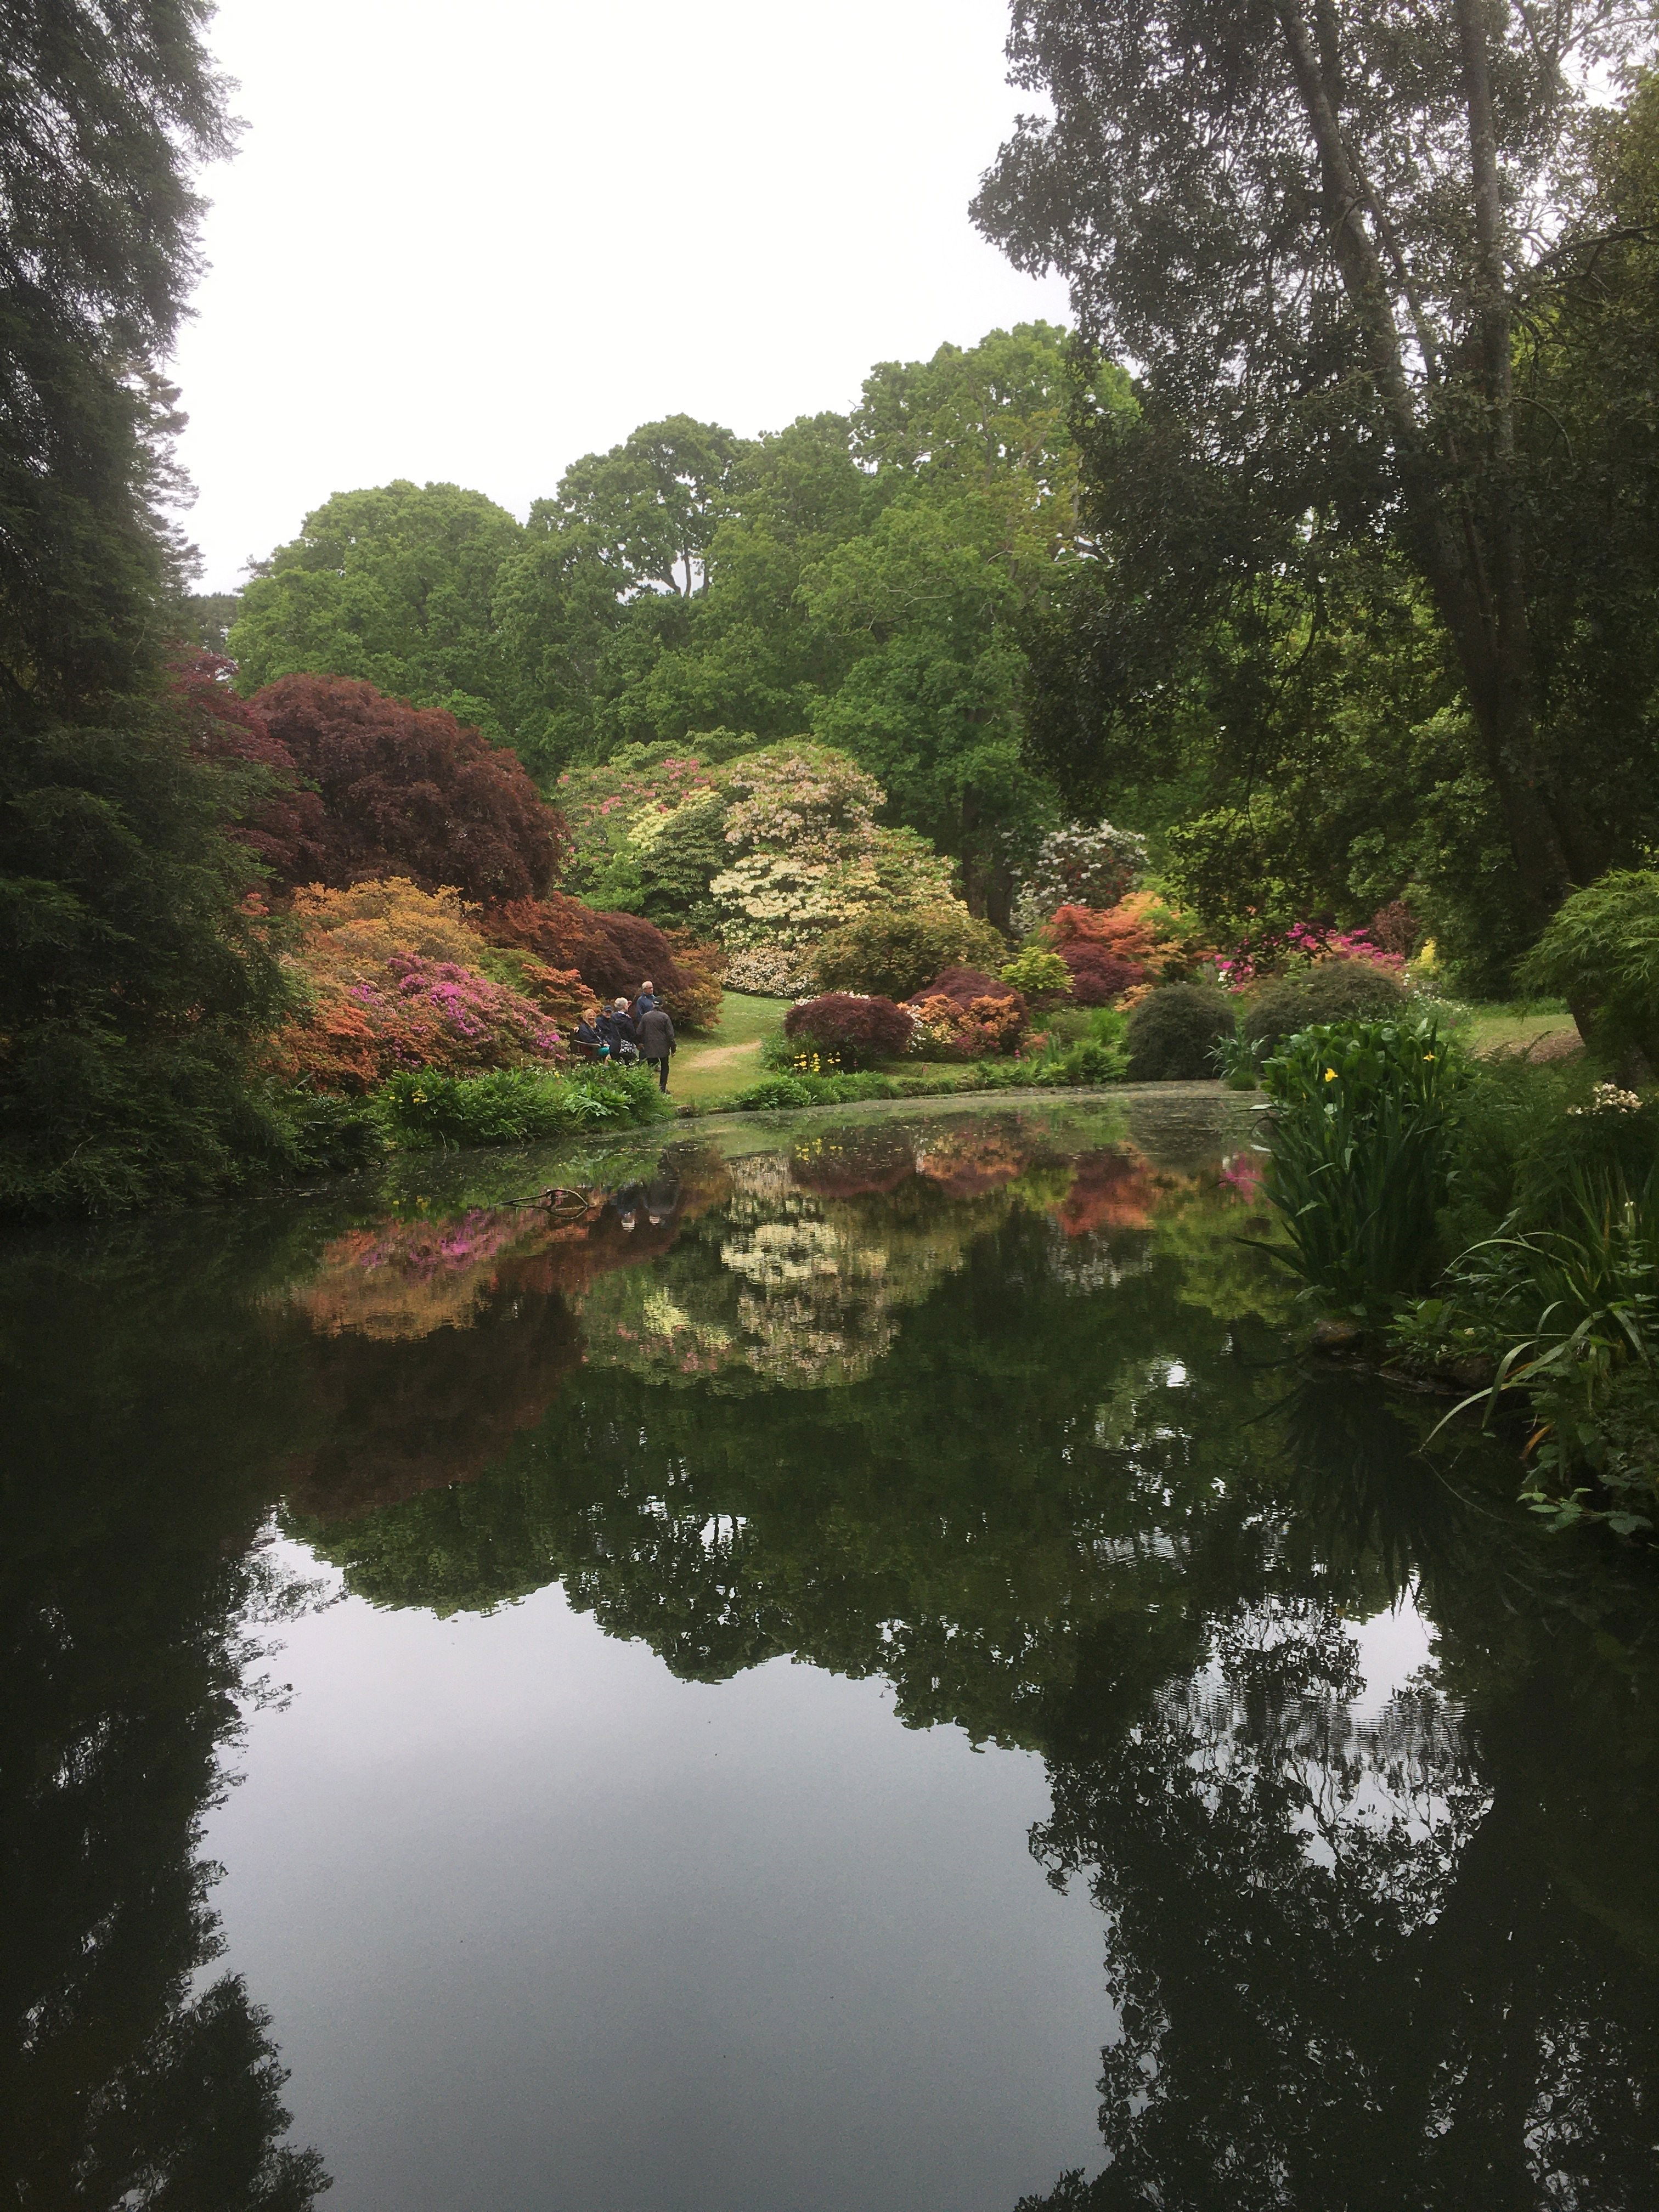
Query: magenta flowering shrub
(1303,942)
(480,1023)
(383,992)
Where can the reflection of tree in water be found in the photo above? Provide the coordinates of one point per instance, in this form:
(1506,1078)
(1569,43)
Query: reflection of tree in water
(129,1507)
(1401,1960)
(817,1254)
(1344,1973)
(388,1419)
(1078,1504)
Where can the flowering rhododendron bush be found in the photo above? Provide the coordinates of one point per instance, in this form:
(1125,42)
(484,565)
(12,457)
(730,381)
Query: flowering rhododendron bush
(1276,952)
(806,855)
(1085,864)
(771,848)
(392,980)
(964,1015)
(648,831)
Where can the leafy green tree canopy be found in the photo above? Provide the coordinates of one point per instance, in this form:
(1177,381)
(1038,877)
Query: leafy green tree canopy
(393,585)
(1321,232)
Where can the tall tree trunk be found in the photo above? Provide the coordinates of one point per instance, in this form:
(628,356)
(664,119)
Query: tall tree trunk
(1463,505)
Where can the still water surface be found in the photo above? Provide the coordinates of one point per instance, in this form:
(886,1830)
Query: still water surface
(860,1673)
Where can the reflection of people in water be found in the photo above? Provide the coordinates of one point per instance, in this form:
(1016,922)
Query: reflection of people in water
(662,1196)
(629,1201)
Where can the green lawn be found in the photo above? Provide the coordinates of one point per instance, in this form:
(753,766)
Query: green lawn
(707,1069)
(1520,1021)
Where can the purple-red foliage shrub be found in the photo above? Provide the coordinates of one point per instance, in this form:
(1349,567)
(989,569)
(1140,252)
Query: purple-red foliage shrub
(284,823)
(963,986)
(1396,929)
(1099,977)
(854,1031)
(613,953)
(406,791)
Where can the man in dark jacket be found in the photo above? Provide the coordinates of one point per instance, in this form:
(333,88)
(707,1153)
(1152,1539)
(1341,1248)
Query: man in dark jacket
(657,1041)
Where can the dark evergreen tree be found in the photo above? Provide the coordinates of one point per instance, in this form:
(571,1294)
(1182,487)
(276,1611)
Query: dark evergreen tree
(132,983)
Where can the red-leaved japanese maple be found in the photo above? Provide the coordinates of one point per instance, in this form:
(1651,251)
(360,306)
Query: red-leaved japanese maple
(406,791)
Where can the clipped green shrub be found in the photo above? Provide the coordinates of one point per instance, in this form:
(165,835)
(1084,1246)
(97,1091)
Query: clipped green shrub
(1328,991)
(1361,1142)
(511,1105)
(773,1092)
(892,952)
(1174,1034)
(1600,950)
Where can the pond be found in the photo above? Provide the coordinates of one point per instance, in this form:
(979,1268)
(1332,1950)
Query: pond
(857,1672)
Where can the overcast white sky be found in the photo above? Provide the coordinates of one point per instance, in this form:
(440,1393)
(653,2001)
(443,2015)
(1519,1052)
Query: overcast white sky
(468,243)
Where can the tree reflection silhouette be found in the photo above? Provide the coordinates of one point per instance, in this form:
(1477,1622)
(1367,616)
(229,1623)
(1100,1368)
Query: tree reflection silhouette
(1017,1432)
(125,1661)
(1081,1502)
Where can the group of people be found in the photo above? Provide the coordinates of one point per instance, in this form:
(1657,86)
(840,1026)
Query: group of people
(629,1033)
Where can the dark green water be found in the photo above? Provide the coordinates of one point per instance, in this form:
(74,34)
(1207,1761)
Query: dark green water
(861,1675)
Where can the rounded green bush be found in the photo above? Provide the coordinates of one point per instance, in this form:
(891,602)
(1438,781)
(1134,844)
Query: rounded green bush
(891,953)
(1329,991)
(1601,950)
(1173,1035)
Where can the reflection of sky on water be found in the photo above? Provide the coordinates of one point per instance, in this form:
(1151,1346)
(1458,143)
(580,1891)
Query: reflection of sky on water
(546,1928)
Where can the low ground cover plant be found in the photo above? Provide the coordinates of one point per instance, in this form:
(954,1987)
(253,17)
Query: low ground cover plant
(784,1089)
(512,1106)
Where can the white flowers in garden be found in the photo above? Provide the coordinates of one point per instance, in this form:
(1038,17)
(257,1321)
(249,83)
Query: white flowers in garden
(1085,864)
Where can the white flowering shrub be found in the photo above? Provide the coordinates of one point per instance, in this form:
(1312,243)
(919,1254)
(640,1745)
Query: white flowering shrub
(807,856)
(1084,864)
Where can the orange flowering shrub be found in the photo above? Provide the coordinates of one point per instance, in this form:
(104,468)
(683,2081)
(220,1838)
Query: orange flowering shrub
(964,1015)
(1114,950)
(397,978)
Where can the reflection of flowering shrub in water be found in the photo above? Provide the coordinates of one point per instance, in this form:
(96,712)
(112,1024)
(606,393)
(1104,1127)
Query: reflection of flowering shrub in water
(786,1287)
(1114,1188)
(1241,1176)
(969,1162)
(405,1279)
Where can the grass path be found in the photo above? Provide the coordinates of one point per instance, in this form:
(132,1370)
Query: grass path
(708,1069)
(1522,1022)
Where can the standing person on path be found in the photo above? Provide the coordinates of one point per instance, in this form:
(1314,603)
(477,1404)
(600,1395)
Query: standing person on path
(657,1041)
(642,1005)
